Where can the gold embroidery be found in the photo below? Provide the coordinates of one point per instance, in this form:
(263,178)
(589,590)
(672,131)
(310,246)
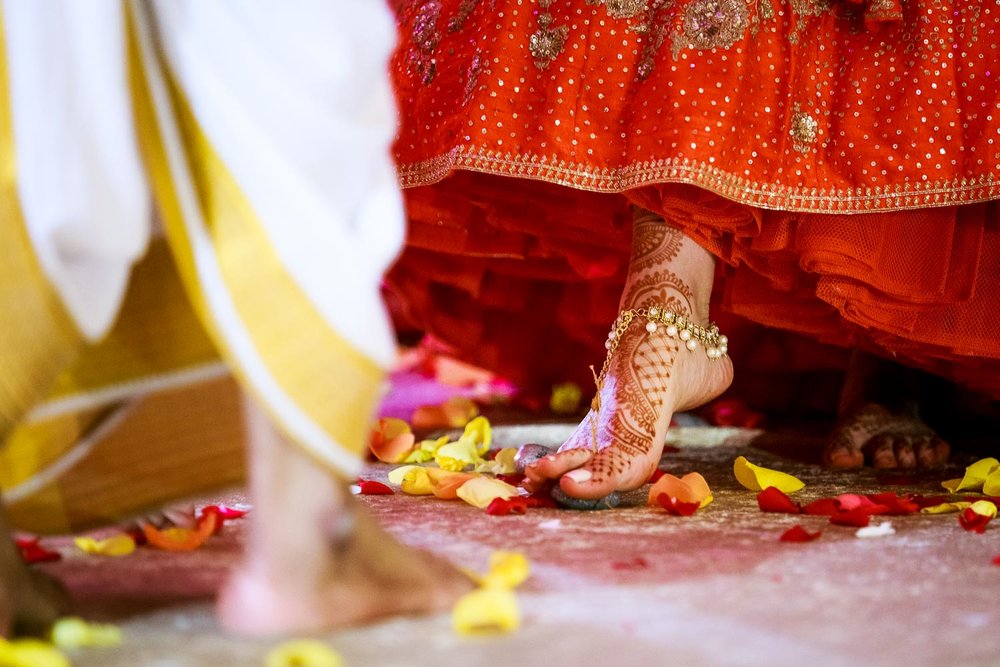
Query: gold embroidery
(465,8)
(711,24)
(425,37)
(624,9)
(908,195)
(547,42)
(803,10)
(804,130)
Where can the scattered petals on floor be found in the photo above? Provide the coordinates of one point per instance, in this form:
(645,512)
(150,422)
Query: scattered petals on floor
(117,545)
(883,529)
(445,484)
(457,456)
(413,480)
(975,476)
(182,539)
(31,653)
(33,552)
(508,569)
(675,493)
(507,506)
(303,653)
(391,440)
(991,486)
(501,464)
(799,534)
(757,478)
(486,611)
(369,487)
(73,632)
(976,517)
(636,563)
(773,500)
(945,508)
(481,491)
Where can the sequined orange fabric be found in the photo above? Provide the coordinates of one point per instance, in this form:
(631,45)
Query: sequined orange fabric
(871,129)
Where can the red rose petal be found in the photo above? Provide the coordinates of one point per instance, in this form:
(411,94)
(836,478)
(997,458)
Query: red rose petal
(541,501)
(857,518)
(505,506)
(513,479)
(996,560)
(225,512)
(972,521)
(895,505)
(929,501)
(637,563)
(799,534)
(372,488)
(822,507)
(33,552)
(676,507)
(655,477)
(772,499)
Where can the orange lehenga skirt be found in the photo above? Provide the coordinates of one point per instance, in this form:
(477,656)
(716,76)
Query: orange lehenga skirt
(840,157)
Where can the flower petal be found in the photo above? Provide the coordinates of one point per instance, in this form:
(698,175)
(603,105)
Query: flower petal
(372,488)
(973,521)
(480,491)
(984,508)
(391,440)
(636,563)
(74,632)
(486,611)
(822,507)
(945,508)
(975,476)
(31,653)
(445,484)
(895,504)
(507,506)
(118,545)
(991,486)
(457,456)
(773,500)
(33,552)
(676,507)
(303,653)
(757,478)
(799,534)
(182,539)
(857,517)
(479,432)
(692,488)
(508,569)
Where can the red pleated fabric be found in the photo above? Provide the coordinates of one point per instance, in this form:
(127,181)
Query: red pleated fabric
(840,158)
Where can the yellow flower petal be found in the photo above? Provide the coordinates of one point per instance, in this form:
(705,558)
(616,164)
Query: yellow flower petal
(73,632)
(481,491)
(508,569)
(457,456)
(991,486)
(502,464)
(31,653)
(426,450)
(945,508)
(119,545)
(486,611)
(412,480)
(984,508)
(565,398)
(757,478)
(975,475)
(303,653)
(478,432)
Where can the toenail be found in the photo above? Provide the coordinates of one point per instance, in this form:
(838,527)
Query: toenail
(550,457)
(579,475)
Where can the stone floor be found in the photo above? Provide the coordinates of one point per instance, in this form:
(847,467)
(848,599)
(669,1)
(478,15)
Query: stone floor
(630,586)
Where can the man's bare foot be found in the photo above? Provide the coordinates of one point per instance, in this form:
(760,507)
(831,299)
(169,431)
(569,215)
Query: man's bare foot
(650,374)
(30,601)
(315,560)
(885,439)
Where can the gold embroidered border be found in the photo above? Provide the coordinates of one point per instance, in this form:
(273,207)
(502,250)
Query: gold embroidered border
(728,185)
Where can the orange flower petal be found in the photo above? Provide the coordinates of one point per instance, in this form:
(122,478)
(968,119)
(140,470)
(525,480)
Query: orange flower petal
(692,488)
(182,539)
(445,484)
(391,440)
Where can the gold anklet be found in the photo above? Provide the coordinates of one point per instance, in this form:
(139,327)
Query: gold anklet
(676,326)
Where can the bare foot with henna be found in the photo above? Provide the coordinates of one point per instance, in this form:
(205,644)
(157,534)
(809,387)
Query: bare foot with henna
(650,374)
(315,560)
(880,423)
